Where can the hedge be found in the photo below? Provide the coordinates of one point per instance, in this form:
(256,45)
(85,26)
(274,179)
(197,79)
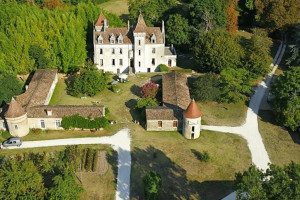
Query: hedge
(77,121)
(163,68)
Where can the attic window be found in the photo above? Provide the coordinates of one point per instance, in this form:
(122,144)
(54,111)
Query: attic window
(112,39)
(153,39)
(100,40)
(120,39)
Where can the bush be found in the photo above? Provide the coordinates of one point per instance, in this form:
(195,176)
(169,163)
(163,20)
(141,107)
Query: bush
(83,158)
(205,157)
(115,88)
(95,161)
(89,159)
(152,185)
(163,68)
(149,90)
(77,121)
(36,130)
(107,111)
(5,134)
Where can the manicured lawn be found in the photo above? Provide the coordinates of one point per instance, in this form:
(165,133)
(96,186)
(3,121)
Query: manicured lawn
(119,7)
(184,176)
(223,114)
(283,146)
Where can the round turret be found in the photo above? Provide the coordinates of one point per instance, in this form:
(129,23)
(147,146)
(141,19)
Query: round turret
(192,121)
(16,118)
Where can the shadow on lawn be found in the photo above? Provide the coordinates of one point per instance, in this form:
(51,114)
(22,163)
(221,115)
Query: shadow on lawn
(175,184)
(269,117)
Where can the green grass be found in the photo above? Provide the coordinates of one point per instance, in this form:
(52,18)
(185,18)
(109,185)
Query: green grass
(283,146)
(223,114)
(184,176)
(118,7)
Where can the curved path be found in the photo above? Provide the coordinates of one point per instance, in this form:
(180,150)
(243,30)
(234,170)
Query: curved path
(249,130)
(120,142)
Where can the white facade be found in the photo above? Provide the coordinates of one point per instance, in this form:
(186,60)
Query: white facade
(191,127)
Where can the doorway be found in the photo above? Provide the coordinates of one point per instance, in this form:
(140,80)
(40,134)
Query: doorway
(148,70)
(118,71)
(169,62)
(192,136)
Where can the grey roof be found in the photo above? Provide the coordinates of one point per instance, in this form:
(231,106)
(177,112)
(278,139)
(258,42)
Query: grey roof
(168,52)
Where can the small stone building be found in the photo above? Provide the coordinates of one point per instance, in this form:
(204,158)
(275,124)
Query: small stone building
(178,112)
(31,109)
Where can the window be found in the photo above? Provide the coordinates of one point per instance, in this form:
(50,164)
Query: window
(113,62)
(113,51)
(139,42)
(112,41)
(175,124)
(153,61)
(101,51)
(159,123)
(139,63)
(16,127)
(153,50)
(121,51)
(139,52)
(120,41)
(101,62)
(153,39)
(100,41)
(43,126)
(193,128)
(57,123)
(121,61)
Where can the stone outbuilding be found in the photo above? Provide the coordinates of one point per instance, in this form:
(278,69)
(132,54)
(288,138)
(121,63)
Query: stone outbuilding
(31,109)
(178,112)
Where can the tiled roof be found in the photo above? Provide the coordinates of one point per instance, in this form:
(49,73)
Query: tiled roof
(141,25)
(192,111)
(38,89)
(14,110)
(65,110)
(160,113)
(101,18)
(127,36)
(175,90)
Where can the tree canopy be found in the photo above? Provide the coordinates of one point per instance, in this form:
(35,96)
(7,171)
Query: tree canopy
(10,86)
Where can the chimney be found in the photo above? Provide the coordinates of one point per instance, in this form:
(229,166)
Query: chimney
(49,112)
(128,25)
(163,30)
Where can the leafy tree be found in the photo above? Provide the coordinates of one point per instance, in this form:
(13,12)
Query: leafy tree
(177,31)
(149,90)
(295,47)
(65,187)
(9,87)
(277,14)
(20,180)
(206,88)
(37,53)
(152,185)
(276,183)
(213,11)
(232,17)
(142,103)
(257,58)
(218,50)
(235,85)
(246,13)
(90,81)
(287,98)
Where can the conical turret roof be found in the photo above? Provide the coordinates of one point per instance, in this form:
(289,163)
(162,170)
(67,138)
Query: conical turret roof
(141,25)
(101,18)
(14,110)
(192,110)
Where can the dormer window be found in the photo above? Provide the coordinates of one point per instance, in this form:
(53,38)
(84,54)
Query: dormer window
(112,39)
(100,40)
(153,39)
(120,39)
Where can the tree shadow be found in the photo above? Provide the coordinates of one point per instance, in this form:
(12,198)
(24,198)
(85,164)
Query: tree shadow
(112,159)
(135,89)
(135,114)
(197,154)
(269,117)
(124,17)
(175,184)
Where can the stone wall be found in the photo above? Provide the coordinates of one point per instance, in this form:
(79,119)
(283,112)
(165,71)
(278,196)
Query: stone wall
(50,123)
(167,125)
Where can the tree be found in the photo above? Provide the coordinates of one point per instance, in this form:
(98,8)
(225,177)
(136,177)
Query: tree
(90,81)
(152,184)
(142,103)
(37,53)
(218,50)
(277,14)
(287,98)
(177,31)
(232,17)
(235,85)
(295,47)
(149,90)
(20,180)
(206,88)
(65,187)
(276,183)
(9,87)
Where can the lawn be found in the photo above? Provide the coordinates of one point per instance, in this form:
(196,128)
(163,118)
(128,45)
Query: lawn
(118,7)
(184,176)
(283,146)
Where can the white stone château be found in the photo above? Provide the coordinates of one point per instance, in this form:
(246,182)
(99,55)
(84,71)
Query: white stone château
(131,50)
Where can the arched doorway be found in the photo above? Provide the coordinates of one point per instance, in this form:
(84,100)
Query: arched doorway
(192,136)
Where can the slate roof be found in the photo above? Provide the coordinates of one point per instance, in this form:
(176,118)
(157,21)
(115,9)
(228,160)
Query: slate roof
(160,113)
(38,89)
(60,111)
(175,90)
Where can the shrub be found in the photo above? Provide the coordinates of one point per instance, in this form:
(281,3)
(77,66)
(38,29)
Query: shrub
(5,134)
(95,161)
(107,111)
(205,156)
(89,159)
(152,184)
(36,130)
(115,88)
(163,68)
(149,90)
(77,121)
(83,158)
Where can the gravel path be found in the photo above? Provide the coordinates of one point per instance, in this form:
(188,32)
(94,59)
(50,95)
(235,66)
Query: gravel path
(250,130)
(120,142)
